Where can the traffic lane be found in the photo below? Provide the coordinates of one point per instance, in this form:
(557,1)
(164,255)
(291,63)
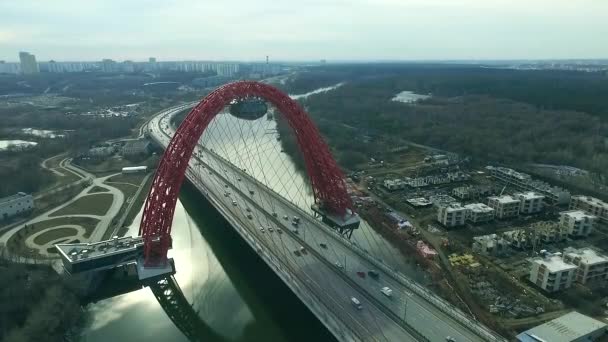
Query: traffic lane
(329,277)
(316,272)
(421,317)
(423,308)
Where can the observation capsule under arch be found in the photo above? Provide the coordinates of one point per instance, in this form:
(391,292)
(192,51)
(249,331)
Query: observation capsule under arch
(249,108)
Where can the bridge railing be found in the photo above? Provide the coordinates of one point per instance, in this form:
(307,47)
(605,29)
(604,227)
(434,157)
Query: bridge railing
(421,291)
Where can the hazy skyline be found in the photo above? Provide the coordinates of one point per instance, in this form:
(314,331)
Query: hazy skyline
(304,30)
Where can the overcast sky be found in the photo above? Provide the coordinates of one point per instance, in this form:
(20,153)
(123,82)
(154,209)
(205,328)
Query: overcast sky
(303,29)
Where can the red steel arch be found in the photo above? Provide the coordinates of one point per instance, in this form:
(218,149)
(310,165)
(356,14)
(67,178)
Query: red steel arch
(326,178)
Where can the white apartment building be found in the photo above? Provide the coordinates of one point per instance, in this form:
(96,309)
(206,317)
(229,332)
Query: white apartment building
(479,212)
(577,222)
(529,202)
(551,273)
(591,205)
(504,206)
(592,266)
(15,205)
(452,215)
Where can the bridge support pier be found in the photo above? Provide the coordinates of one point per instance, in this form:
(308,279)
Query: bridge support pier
(345,225)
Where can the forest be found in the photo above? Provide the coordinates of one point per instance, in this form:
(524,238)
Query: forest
(493,115)
(37,304)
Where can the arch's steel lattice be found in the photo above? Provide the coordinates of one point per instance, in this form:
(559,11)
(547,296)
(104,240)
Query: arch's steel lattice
(327,181)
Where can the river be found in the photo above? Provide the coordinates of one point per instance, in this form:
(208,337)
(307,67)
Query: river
(230,287)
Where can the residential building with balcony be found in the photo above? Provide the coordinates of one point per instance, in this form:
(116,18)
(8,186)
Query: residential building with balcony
(529,202)
(592,266)
(452,215)
(577,222)
(551,272)
(479,212)
(590,205)
(504,206)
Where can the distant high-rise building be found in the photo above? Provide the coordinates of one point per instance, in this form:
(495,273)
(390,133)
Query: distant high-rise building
(28,63)
(108,65)
(152,60)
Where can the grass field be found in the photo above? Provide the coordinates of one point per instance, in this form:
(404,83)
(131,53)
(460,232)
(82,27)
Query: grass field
(97,204)
(97,189)
(123,182)
(54,234)
(132,178)
(16,244)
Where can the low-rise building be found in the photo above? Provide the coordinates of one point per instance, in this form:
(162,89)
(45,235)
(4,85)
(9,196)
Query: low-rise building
(394,184)
(136,148)
(524,182)
(590,205)
(521,238)
(592,266)
(15,205)
(452,215)
(577,222)
(490,245)
(551,272)
(419,202)
(504,206)
(101,152)
(529,202)
(479,212)
(571,327)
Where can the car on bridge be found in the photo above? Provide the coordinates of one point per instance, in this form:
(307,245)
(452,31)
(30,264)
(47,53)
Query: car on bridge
(249,216)
(234,203)
(373,273)
(387,291)
(262,229)
(356,303)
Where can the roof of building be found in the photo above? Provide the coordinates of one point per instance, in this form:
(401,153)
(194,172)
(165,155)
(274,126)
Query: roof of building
(587,255)
(577,214)
(510,172)
(567,328)
(454,207)
(554,263)
(529,195)
(418,201)
(504,199)
(479,208)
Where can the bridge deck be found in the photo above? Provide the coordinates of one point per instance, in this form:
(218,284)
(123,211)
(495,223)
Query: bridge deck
(400,318)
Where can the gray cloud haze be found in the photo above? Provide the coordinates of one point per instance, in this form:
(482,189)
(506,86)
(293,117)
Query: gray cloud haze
(304,30)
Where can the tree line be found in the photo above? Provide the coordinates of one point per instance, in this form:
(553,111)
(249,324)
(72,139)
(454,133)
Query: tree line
(489,128)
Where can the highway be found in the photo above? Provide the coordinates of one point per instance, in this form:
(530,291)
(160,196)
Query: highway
(329,269)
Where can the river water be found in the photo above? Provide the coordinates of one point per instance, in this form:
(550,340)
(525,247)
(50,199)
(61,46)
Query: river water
(230,287)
